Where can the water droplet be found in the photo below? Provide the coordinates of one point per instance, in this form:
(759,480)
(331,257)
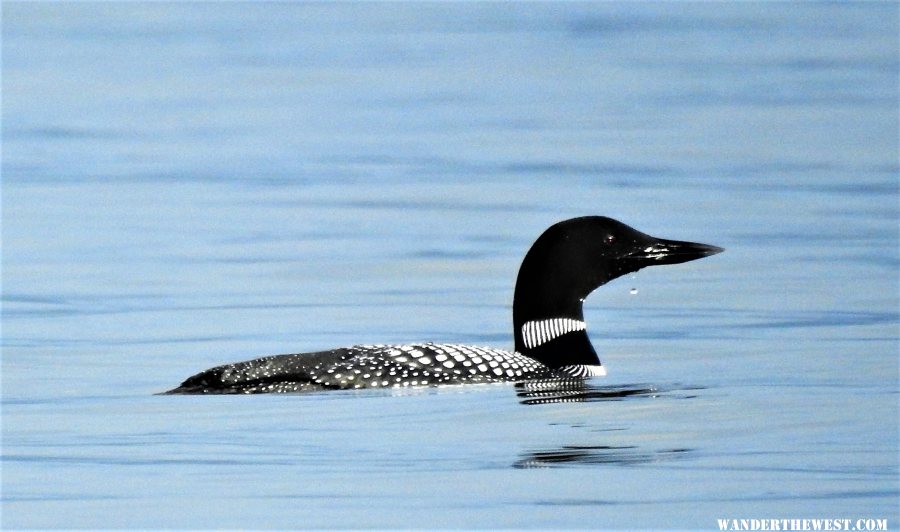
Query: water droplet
(633,291)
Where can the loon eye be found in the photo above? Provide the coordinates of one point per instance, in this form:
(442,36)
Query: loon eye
(609,240)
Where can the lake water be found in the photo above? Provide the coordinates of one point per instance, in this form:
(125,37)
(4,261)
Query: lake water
(189,184)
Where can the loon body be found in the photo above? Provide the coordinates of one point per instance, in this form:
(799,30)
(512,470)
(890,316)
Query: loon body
(565,264)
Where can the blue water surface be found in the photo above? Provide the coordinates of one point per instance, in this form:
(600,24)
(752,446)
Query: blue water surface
(189,184)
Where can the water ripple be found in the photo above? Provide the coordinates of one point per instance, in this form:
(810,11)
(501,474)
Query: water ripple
(596,455)
(580,391)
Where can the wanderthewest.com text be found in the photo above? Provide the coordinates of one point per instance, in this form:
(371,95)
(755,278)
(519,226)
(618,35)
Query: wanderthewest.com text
(802,524)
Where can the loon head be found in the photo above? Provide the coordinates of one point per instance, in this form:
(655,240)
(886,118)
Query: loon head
(566,263)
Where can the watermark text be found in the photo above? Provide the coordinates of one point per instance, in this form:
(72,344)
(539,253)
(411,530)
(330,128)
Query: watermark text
(801,524)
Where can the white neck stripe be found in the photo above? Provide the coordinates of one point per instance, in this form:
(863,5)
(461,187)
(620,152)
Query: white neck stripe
(535,333)
(585,370)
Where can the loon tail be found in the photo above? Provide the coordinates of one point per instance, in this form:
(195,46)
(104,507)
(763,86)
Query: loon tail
(253,376)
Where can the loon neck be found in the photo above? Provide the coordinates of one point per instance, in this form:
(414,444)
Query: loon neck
(568,349)
(555,341)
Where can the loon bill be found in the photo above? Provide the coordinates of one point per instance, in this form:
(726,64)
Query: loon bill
(566,263)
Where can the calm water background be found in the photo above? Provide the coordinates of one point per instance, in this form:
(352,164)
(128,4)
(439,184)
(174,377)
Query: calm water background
(191,184)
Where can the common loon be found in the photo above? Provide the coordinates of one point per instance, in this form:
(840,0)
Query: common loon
(565,264)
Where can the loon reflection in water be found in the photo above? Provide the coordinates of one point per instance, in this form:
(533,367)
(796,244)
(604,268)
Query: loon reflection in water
(565,264)
(570,390)
(596,455)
